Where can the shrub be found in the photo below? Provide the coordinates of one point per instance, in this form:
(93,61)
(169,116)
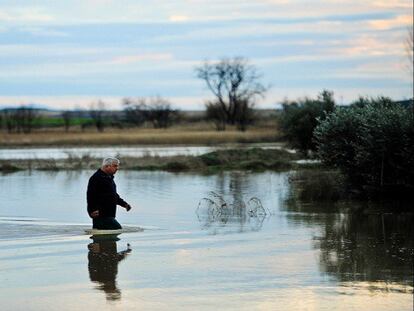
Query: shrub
(175,166)
(254,158)
(8,167)
(299,119)
(372,143)
(210,159)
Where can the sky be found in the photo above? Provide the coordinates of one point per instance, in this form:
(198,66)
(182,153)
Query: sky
(65,54)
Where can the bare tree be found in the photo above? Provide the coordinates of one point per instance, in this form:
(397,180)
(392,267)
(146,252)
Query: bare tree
(134,110)
(67,118)
(245,115)
(215,113)
(156,110)
(235,84)
(29,116)
(3,118)
(96,112)
(160,113)
(8,120)
(20,119)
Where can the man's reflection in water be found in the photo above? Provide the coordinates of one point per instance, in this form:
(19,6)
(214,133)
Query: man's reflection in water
(103,260)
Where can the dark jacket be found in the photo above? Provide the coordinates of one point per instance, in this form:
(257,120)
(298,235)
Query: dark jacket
(102,196)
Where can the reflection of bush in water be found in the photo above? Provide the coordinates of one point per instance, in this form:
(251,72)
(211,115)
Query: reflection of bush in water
(215,209)
(317,185)
(360,242)
(375,248)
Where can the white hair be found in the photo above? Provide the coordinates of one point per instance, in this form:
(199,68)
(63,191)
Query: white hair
(110,161)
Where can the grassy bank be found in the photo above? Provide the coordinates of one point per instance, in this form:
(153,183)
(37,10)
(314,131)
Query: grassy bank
(255,159)
(201,134)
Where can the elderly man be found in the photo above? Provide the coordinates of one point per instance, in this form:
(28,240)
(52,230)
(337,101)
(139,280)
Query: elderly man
(102,197)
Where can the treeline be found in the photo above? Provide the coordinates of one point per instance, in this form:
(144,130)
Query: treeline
(234,85)
(155,112)
(19,120)
(371,141)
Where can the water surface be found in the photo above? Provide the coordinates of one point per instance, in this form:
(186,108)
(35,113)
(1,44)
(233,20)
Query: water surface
(120,151)
(299,256)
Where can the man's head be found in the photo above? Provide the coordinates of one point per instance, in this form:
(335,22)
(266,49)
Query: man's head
(110,165)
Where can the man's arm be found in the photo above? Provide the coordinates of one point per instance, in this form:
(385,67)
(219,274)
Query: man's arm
(91,198)
(122,203)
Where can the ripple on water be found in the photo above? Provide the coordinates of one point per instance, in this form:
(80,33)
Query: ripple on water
(12,228)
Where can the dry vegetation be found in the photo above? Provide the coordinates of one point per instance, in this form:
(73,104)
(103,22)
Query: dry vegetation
(197,133)
(253,159)
(200,134)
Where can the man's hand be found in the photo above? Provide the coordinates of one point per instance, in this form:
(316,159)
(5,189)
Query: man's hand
(128,207)
(95,214)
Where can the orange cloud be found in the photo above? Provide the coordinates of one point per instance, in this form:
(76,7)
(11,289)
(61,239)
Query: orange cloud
(401,20)
(178,18)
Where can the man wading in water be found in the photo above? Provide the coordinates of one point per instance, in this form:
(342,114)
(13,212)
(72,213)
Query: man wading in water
(102,197)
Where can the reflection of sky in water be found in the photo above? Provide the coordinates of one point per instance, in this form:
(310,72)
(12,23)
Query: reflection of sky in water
(66,152)
(298,258)
(120,151)
(159,199)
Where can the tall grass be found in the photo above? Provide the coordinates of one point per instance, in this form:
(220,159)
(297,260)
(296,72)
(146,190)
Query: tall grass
(179,136)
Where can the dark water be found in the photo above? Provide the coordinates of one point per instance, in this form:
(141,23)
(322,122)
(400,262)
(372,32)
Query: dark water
(294,256)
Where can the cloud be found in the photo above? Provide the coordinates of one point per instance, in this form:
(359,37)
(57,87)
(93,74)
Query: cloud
(404,4)
(113,48)
(388,68)
(25,15)
(152,57)
(72,12)
(366,45)
(398,21)
(44,32)
(179,18)
(17,51)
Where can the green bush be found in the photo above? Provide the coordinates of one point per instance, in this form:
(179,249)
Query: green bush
(252,159)
(6,167)
(211,158)
(175,166)
(372,143)
(299,119)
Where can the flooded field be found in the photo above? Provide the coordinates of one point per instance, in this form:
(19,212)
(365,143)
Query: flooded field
(232,254)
